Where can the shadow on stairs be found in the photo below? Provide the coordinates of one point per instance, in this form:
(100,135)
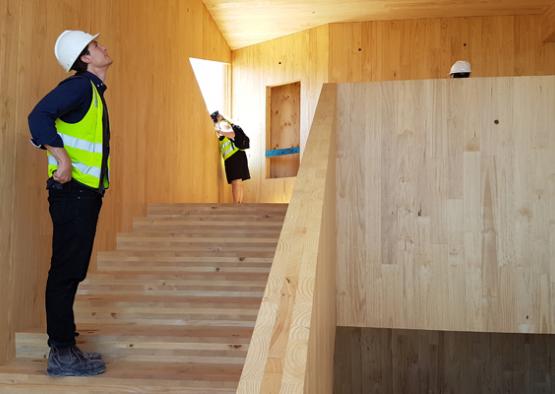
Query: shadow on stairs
(172,309)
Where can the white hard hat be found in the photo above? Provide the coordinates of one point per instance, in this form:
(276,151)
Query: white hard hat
(461,66)
(69,45)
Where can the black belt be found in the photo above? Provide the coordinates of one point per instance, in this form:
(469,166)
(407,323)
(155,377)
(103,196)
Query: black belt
(70,186)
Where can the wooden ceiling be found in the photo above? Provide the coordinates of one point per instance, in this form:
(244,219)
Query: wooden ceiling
(247,22)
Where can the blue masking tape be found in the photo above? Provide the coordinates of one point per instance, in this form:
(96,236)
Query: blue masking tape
(284,151)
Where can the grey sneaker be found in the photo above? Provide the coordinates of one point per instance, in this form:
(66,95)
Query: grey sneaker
(70,361)
(89,355)
(92,355)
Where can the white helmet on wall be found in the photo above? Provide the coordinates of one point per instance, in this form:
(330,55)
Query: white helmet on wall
(460,67)
(69,45)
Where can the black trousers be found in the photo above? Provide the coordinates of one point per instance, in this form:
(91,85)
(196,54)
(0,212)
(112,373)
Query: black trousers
(74,210)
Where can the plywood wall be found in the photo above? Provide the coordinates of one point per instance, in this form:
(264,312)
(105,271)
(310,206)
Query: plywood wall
(25,75)
(426,48)
(300,57)
(284,130)
(446,213)
(376,361)
(548,24)
(162,145)
(375,51)
(7,138)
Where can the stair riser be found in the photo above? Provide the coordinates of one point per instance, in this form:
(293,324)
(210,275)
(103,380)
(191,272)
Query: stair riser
(216,279)
(83,290)
(236,224)
(177,231)
(227,219)
(212,208)
(181,320)
(170,303)
(184,260)
(171,268)
(135,285)
(227,240)
(171,256)
(208,251)
(194,247)
(156,312)
(196,264)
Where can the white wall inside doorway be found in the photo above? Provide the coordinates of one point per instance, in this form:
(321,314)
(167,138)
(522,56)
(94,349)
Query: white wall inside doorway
(214,80)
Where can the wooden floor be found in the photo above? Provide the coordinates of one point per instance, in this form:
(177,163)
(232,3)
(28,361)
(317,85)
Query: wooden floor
(172,309)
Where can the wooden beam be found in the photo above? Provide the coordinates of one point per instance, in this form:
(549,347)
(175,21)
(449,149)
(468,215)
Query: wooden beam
(548,25)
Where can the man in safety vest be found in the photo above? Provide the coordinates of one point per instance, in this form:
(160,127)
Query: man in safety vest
(71,124)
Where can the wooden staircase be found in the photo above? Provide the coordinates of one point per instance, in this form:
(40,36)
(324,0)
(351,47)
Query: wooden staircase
(172,309)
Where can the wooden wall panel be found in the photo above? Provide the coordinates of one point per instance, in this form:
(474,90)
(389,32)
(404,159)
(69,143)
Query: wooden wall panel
(8,50)
(300,57)
(426,48)
(162,145)
(445,204)
(548,25)
(27,72)
(373,360)
(374,51)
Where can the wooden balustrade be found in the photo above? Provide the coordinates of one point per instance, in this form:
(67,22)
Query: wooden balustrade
(293,341)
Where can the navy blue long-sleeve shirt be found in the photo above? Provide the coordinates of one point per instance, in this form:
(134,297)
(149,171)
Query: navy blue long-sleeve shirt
(69,101)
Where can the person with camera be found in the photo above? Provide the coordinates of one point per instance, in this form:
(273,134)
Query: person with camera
(232,151)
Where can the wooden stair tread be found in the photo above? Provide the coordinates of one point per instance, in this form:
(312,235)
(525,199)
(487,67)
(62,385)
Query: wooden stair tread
(186,291)
(210,248)
(194,232)
(182,320)
(175,256)
(212,252)
(227,219)
(156,279)
(194,269)
(126,375)
(217,209)
(175,236)
(232,278)
(214,205)
(158,330)
(221,205)
(217,348)
(178,220)
(171,301)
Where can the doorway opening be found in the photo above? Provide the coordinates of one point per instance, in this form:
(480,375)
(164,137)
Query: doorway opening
(283,126)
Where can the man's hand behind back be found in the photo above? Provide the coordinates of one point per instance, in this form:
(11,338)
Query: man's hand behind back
(63,173)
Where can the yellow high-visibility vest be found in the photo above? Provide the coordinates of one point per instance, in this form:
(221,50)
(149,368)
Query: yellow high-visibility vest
(83,143)
(227,148)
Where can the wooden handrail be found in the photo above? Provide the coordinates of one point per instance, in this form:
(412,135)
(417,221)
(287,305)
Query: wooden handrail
(293,341)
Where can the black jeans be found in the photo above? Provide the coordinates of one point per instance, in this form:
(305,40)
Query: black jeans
(74,210)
